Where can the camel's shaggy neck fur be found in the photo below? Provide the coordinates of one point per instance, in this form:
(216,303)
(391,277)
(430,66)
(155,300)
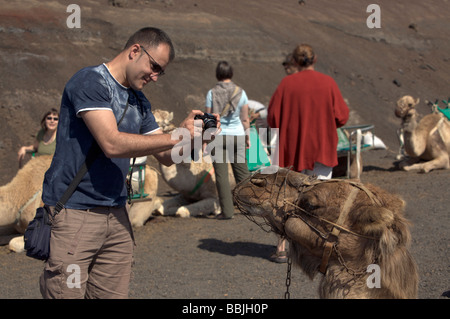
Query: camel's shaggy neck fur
(416,136)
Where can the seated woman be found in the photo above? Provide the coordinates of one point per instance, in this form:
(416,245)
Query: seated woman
(45,142)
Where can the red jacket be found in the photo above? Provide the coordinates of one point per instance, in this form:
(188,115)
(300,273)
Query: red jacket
(307,107)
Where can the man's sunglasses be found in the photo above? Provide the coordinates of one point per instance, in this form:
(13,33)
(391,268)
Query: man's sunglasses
(155,66)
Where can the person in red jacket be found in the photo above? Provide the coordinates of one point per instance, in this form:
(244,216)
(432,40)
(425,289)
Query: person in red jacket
(307,108)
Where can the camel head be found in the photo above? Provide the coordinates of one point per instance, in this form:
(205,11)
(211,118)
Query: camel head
(164,120)
(360,225)
(405,106)
(314,206)
(263,195)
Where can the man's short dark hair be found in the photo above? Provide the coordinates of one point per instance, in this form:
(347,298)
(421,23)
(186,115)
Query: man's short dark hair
(224,71)
(151,37)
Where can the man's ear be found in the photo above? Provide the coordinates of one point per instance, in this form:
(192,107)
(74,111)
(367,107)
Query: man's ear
(133,51)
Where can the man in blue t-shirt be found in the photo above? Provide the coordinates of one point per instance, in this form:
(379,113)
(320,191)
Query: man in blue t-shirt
(92,235)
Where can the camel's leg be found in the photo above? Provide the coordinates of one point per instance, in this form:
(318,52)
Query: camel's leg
(409,161)
(413,167)
(437,151)
(170,206)
(203,207)
(401,140)
(441,162)
(17,244)
(139,212)
(5,239)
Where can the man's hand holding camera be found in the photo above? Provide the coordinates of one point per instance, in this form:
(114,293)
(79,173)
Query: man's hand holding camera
(194,133)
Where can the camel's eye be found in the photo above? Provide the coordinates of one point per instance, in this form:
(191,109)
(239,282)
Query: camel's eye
(308,204)
(260,182)
(309,207)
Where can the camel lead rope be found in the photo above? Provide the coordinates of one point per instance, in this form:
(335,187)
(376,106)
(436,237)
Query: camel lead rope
(287,294)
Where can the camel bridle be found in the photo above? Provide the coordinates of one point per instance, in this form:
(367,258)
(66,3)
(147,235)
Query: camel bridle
(291,210)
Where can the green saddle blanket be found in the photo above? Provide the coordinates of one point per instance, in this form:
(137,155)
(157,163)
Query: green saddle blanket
(256,155)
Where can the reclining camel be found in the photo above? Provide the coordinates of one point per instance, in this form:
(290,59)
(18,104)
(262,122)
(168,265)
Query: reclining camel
(427,140)
(195,182)
(354,234)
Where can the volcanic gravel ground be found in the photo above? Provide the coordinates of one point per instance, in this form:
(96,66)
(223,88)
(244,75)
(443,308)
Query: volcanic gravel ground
(204,258)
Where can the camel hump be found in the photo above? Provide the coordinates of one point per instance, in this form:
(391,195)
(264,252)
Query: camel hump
(430,121)
(33,169)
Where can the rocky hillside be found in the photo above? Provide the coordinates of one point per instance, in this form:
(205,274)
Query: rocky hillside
(409,54)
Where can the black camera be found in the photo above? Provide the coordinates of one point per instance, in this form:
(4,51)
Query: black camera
(208,119)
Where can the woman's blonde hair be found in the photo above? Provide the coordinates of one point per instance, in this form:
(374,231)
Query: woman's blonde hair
(304,55)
